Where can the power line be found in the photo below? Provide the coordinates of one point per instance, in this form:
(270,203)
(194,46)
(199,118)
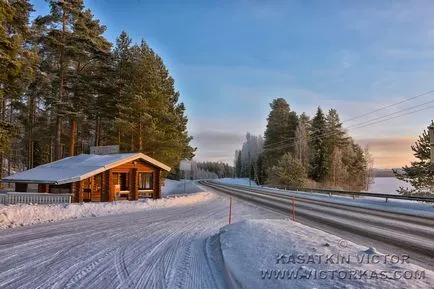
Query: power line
(411,112)
(390,105)
(396,112)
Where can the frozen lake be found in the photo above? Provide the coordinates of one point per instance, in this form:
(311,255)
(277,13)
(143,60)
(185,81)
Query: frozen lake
(387,185)
(381,185)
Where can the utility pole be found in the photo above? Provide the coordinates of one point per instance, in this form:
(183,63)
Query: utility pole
(431,140)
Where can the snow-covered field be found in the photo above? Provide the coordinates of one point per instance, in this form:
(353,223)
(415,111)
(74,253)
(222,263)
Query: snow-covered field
(19,215)
(284,254)
(387,185)
(28,214)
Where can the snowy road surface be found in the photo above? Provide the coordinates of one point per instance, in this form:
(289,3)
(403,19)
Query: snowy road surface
(393,228)
(160,248)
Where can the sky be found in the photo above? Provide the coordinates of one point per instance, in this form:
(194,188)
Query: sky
(231,58)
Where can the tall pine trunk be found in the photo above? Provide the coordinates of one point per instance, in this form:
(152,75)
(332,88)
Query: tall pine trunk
(3,116)
(30,157)
(97,131)
(57,145)
(10,151)
(73,124)
(57,139)
(132,140)
(140,137)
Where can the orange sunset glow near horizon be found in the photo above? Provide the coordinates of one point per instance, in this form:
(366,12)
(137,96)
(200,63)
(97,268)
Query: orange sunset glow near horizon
(390,152)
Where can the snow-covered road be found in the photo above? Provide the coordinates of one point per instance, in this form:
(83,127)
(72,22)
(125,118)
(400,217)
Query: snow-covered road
(159,248)
(391,227)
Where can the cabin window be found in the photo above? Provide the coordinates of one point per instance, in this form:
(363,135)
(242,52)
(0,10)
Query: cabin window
(146,181)
(121,180)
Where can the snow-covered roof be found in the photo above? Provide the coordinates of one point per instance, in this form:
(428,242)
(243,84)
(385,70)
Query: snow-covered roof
(77,168)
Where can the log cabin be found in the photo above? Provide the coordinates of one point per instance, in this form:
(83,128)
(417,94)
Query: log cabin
(96,178)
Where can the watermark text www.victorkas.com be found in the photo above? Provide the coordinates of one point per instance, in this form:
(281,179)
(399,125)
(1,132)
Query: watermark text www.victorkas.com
(303,272)
(306,273)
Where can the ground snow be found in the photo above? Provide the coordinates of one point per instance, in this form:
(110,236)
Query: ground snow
(182,187)
(28,214)
(250,248)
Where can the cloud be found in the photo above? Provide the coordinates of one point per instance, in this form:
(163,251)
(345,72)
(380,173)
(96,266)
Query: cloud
(217,145)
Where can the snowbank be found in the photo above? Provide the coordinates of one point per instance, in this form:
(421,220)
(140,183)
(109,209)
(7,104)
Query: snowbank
(24,214)
(173,187)
(284,254)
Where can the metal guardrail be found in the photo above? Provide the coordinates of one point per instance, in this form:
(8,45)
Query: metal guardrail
(34,198)
(348,193)
(360,194)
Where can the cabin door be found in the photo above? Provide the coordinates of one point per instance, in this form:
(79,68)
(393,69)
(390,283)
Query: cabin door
(97,192)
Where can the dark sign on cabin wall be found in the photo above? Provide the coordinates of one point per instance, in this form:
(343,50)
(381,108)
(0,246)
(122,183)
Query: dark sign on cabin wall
(104,150)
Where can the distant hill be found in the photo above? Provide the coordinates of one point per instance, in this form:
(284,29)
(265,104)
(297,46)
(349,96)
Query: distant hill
(384,173)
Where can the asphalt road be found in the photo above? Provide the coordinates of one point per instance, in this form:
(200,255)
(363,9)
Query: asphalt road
(389,232)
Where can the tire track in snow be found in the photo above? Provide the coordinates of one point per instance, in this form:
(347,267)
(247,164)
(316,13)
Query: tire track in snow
(159,248)
(121,269)
(81,274)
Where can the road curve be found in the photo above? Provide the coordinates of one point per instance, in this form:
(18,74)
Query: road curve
(390,231)
(158,248)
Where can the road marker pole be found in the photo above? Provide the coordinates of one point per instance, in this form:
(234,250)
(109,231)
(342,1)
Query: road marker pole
(293,209)
(230,209)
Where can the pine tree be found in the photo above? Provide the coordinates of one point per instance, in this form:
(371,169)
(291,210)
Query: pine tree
(302,141)
(60,82)
(319,157)
(57,48)
(149,116)
(16,64)
(335,134)
(73,49)
(288,172)
(124,69)
(336,139)
(420,174)
(280,132)
(238,164)
(91,61)
(260,170)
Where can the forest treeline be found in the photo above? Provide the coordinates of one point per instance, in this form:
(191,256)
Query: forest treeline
(301,151)
(64,87)
(205,170)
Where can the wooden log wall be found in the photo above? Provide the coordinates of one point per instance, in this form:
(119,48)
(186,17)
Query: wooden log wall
(134,185)
(109,186)
(157,185)
(77,190)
